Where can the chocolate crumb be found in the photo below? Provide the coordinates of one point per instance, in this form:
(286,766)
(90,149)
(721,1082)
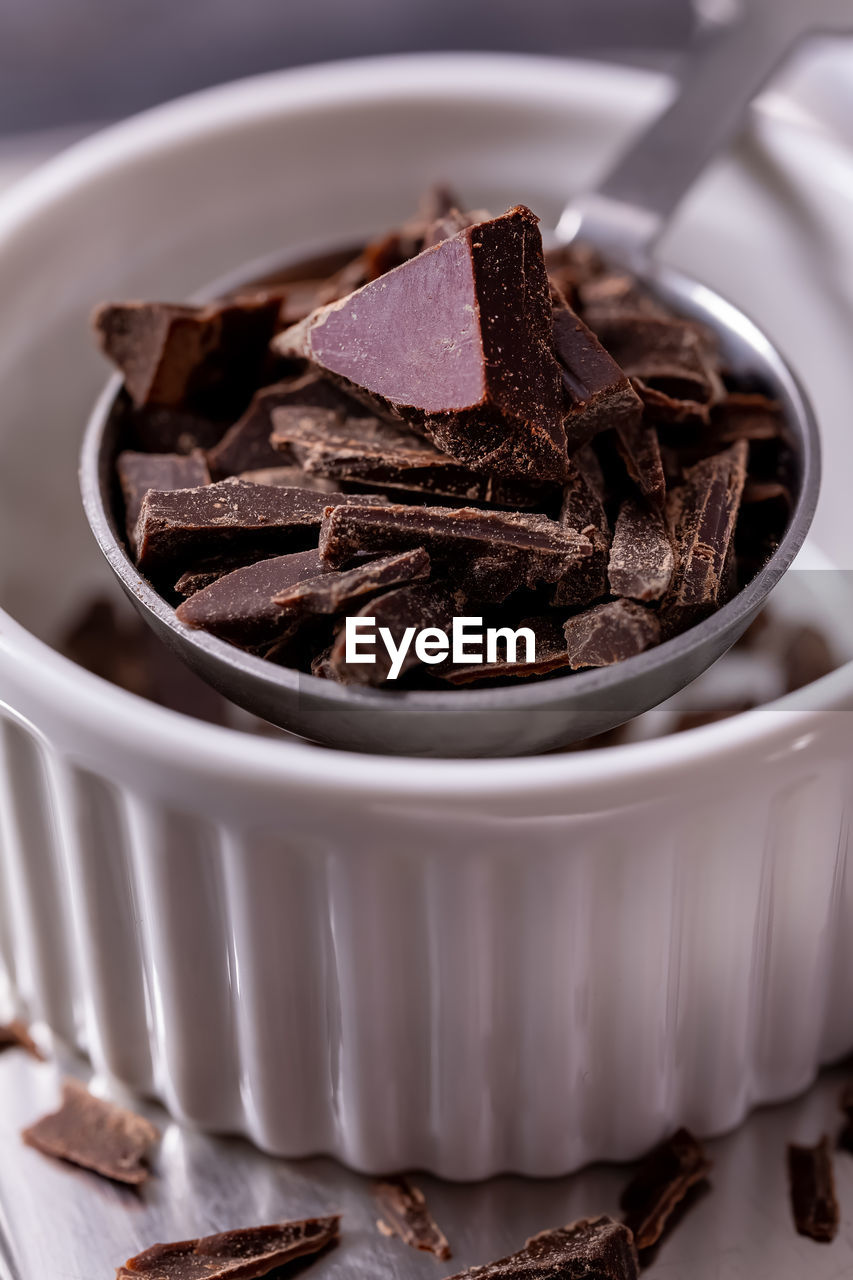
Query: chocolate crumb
(96,1135)
(405,1214)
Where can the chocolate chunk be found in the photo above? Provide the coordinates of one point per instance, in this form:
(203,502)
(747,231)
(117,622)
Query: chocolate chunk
(666,409)
(243,1254)
(458,341)
(610,633)
(422,606)
(405,1214)
(702,515)
(332,591)
(806,657)
(196,358)
(642,559)
(598,393)
(185,525)
(139,472)
(153,429)
(550,648)
(369,451)
(660,1184)
(490,554)
(591,1249)
(288,478)
(638,446)
(239,605)
(668,355)
(246,446)
(14,1035)
(615,295)
(812,1188)
(571,266)
(583,503)
(746,416)
(96,1135)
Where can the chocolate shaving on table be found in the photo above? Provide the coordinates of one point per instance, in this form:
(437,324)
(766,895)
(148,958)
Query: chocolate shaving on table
(139,472)
(671,355)
(638,446)
(660,1184)
(15,1035)
(550,650)
(241,1254)
(702,515)
(422,606)
(181,526)
(96,1135)
(591,1249)
(489,554)
(186,357)
(497,404)
(598,394)
(372,452)
(405,1214)
(642,559)
(812,1189)
(333,590)
(610,633)
(246,445)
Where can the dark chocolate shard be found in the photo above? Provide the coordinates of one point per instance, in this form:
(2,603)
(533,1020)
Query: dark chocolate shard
(457,341)
(489,554)
(94,1134)
(639,449)
(746,416)
(405,1214)
(572,266)
(407,610)
(614,295)
(812,1188)
(183,526)
(15,1035)
(242,1254)
(591,1249)
(372,452)
(671,355)
(203,359)
(550,654)
(153,429)
(583,495)
(610,633)
(598,393)
(702,515)
(642,559)
(334,590)
(666,409)
(660,1184)
(139,472)
(246,445)
(238,606)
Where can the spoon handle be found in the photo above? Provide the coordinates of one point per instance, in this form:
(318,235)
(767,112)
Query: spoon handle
(634,202)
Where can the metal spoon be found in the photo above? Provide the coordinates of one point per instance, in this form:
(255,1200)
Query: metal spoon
(624,217)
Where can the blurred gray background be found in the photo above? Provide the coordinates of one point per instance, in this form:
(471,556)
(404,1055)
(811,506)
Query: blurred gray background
(69,62)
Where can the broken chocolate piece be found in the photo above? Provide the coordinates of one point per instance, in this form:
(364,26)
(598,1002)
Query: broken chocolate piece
(153,429)
(614,295)
(639,449)
(14,1035)
(598,393)
(457,341)
(405,1213)
(746,416)
(139,472)
(550,649)
(95,1134)
(184,525)
(642,559)
(408,609)
(369,451)
(583,503)
(610,633)
(812,1188)
(242,1254)
(288,478)
(670,355)
(204,359)
(702,515)
(238,606)
(660,1184)
(591,1249)
(489,554)
(246,446)
(333,590)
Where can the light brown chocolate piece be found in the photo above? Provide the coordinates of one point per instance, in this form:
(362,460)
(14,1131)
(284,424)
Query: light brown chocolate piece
(591,1249)
(96,1135)
(812,1187)
(660,1184)
(642,559)
(242,1254)
(405,1214)
(610,633)
(139,472)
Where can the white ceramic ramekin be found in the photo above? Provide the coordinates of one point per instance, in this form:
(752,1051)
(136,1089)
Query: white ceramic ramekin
(463,966)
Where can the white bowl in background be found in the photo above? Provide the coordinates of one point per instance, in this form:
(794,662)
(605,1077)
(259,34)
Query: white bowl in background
(456,965)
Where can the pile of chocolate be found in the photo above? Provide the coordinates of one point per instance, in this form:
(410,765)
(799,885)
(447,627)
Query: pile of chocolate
(449,424)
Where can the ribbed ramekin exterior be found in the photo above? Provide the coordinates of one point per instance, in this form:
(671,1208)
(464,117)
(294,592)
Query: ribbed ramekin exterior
(466,993)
